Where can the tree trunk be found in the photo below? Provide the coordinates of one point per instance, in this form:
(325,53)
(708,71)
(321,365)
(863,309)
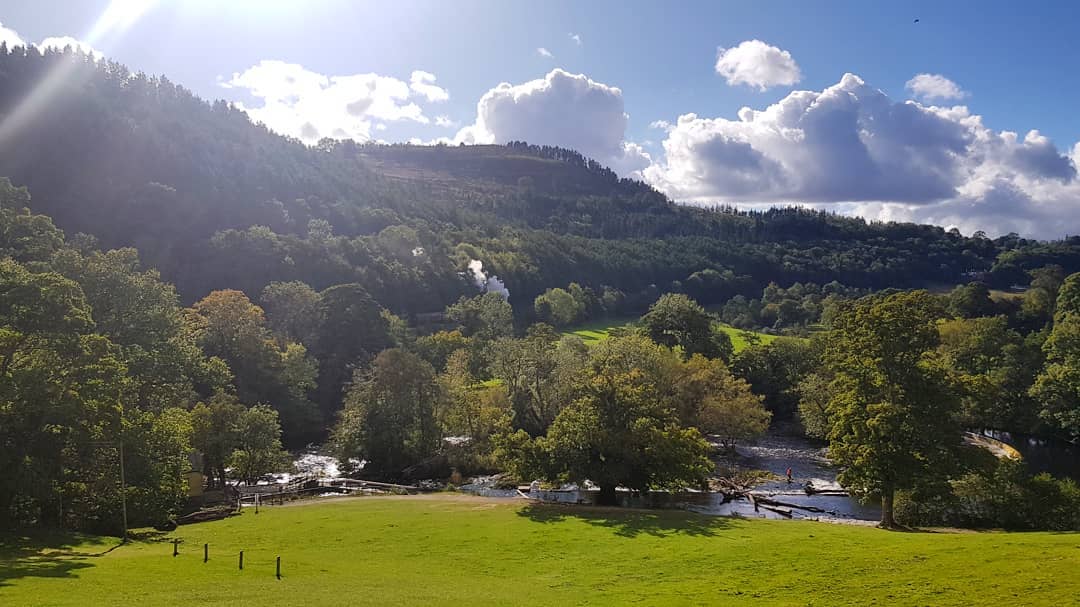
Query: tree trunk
(887,520)
(607,496)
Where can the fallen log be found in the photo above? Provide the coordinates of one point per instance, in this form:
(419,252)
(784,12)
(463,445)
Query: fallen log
(772,502)
(785,512)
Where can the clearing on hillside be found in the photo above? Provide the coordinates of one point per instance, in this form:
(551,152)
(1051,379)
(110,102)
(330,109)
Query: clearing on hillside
(598,330)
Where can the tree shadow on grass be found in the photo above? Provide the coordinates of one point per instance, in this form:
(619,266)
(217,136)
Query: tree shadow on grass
(630,522)
(46,554)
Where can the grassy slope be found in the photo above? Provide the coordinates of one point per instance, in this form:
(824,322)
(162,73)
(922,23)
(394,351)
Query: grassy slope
(597,330)
(737,340)
(449,550)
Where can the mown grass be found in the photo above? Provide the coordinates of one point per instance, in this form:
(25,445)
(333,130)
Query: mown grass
(596,331)
(457,550)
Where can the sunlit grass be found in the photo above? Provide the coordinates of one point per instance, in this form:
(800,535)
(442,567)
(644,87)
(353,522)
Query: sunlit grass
(596,331)
(457,550)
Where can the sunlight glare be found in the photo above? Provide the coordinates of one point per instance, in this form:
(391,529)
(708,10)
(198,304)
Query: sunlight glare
(119,15)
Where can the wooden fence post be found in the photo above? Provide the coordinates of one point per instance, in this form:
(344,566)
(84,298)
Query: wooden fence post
(279,567)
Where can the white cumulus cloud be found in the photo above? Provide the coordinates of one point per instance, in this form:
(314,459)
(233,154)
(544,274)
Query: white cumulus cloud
(575,37)
(757,64)
(929,87)
(563,109)
(543,52)
(423,84)
(308,105)
(851,148)
(10,37)
(60,43)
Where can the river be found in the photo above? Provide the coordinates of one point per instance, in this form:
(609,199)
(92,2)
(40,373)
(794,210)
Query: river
(1057,457)
(774,454)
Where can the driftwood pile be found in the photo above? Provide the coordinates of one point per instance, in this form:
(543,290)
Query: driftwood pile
(732,490)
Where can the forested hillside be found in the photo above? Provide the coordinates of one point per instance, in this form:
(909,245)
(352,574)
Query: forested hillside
(214,201)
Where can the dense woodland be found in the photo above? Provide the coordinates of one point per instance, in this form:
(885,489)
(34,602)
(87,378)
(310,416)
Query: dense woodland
(176,279)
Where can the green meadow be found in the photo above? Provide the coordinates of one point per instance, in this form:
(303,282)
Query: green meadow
(457,550)
(599,330)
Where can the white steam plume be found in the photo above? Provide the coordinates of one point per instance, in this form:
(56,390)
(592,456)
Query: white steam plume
(487,284)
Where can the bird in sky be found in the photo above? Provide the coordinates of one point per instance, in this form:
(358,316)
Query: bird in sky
(916,21)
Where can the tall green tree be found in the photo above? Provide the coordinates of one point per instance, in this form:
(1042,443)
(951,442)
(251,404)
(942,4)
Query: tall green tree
(486,317)
(994,367)
(231,327)
(558,307)
(215,434)
(142,316)
(390,417)
(774,370)
(292,311)
(258,449)
(971,301)
(622,430)
(721,404)
(892,409)
(540,378)
(60,392)
(353,330)
(1057,387)
(676,320)
(470,409)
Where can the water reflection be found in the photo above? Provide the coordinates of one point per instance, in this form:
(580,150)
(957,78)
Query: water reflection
(1057,457)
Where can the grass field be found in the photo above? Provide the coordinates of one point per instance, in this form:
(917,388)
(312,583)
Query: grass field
(738,342)
(598,330)
(458,550)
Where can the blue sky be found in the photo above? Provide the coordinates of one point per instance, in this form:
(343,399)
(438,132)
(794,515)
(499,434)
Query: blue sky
(1013,64)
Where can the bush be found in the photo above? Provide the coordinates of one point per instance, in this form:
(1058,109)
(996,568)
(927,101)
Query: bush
(1006,496)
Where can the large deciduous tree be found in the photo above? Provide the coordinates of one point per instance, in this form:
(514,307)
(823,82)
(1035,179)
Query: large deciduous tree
(486,317)
(353,330)
(1057,388)
(676,320)
(623,430)
(292,311)
(774,370)
(892,410)
(994,366)
(539,375)
(258,450)
(229,326)
(389,417)
(558,307)
(721,404)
